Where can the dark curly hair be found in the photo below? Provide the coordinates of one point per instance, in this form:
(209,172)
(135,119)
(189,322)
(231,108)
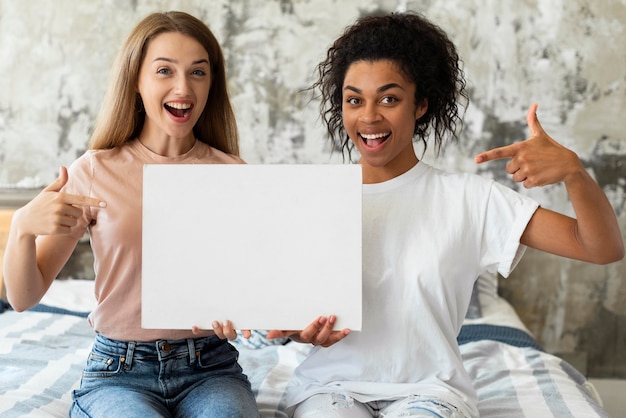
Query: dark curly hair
(424,54)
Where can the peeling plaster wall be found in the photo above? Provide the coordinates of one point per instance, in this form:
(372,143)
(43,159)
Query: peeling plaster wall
(567,55)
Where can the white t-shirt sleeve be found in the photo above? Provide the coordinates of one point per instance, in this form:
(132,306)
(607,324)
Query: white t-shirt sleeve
(506,218)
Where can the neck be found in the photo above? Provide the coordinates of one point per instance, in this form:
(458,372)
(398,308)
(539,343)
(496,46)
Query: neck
(170,147)
(372,174)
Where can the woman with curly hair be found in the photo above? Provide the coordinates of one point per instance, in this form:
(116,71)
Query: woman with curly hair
(427,234)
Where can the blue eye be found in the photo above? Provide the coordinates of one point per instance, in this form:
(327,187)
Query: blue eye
(198,72)
(163,71)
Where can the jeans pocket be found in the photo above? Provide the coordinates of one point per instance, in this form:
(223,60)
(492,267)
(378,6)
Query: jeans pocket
(221,357)
(101,365)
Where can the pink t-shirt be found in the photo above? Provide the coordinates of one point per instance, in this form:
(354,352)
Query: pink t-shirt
(115,176)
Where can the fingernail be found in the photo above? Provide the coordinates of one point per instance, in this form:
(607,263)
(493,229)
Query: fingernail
(215,324)
(102,204)
(226,323)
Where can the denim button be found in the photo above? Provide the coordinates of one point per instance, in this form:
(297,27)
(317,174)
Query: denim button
(165,347)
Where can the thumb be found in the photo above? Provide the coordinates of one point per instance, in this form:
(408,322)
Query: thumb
(532,120)
(60,181)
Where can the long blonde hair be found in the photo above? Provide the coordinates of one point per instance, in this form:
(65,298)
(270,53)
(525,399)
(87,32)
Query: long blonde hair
(122,114)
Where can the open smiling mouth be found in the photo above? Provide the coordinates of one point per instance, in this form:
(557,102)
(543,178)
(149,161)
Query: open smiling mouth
(179,110)
(373,140)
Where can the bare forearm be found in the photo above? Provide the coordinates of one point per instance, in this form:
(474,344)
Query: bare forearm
(597,229)
(24,282)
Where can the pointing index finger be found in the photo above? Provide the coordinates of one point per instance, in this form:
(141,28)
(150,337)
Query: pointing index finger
(77,200)
(507,151)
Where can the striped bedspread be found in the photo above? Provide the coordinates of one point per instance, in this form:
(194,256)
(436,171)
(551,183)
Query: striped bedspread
(42,355)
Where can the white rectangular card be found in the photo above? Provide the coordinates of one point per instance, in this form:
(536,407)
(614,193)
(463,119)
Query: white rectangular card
(265,246)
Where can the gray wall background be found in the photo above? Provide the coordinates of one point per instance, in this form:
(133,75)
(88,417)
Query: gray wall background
(566,55)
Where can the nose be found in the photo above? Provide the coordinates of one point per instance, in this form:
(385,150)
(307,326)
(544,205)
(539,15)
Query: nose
(370,113)
(181,85)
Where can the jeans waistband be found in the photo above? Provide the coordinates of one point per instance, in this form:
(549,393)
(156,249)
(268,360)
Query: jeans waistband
(159,349)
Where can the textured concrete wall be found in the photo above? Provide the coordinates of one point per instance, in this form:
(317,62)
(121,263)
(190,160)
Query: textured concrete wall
(569,56)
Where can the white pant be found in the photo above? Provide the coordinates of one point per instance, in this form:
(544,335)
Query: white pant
(334,405)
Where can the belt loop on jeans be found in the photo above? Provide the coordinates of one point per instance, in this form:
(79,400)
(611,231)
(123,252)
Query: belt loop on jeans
(191,345)
(130,351)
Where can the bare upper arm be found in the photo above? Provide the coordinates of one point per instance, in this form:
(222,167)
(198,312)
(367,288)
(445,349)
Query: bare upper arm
(555,233)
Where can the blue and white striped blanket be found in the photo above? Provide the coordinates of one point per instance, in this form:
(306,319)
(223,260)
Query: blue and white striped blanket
(42,356)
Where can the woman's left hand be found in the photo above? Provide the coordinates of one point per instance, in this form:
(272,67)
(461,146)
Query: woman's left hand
(319,332)
(537,161)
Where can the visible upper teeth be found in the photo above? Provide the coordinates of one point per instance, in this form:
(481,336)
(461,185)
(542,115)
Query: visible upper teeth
(179,105)
(374,136)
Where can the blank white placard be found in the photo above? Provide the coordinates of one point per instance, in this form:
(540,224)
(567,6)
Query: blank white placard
(265,246)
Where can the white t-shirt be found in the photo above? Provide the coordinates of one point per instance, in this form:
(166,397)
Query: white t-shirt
(427,236)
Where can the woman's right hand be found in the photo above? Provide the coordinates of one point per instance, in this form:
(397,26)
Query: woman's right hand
(52,212)
(30,265)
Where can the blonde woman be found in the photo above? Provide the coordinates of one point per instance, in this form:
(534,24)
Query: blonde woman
(167,103)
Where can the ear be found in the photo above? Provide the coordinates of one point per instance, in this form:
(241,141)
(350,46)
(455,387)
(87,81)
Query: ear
(421,109)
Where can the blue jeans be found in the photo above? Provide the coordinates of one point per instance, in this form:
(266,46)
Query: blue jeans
(183,378)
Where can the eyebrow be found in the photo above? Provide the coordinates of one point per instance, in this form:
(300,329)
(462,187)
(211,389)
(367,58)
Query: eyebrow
(378,90)
(200,61)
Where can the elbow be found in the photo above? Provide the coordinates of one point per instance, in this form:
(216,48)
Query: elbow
(19,305)
(619,251)
(616,253)
(619,256)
